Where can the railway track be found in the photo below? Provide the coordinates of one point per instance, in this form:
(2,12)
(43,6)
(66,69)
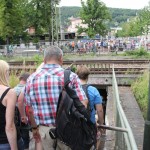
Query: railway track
(118,61)
(30,63)
(95,66)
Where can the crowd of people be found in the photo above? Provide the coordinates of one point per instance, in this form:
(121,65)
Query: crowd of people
(36,98)
(104,45)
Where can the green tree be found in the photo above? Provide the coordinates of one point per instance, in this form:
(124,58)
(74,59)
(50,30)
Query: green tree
(138,25)
(144,18)
(125,30)
(38,15)
(11,19)
(95,14)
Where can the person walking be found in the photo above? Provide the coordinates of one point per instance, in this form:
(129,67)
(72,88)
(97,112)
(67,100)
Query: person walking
(9,137)
(93,95)
(41,97)
(20,104)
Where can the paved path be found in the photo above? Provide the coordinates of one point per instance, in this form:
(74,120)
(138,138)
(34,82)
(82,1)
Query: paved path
(133,114)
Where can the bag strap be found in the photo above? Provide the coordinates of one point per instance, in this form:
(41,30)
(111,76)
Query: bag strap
(4,94)
(66,82)
(66,77)
(85,89)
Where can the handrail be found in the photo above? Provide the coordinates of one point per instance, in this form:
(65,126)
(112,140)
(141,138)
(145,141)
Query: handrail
(124,120)
(112,128)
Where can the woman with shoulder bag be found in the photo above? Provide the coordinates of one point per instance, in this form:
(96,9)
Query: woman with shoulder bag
(9,137)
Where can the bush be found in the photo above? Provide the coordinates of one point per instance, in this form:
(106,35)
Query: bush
(138,53)
(13,80)
(38,59)
(140,90)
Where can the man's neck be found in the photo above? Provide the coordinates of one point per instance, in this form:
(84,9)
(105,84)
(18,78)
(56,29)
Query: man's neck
(83,81)
(53,62)
(22,82)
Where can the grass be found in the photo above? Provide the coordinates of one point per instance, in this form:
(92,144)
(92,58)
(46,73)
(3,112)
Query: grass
(139,53)
(140,90)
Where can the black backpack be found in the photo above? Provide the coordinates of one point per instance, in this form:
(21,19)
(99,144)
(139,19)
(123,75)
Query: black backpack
(73,125)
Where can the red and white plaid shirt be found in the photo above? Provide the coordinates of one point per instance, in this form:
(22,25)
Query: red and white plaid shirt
(43,89)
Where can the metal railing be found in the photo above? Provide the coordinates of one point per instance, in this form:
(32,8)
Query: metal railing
(124,140)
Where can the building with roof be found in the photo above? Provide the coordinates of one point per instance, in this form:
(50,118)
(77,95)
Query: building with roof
(75,22)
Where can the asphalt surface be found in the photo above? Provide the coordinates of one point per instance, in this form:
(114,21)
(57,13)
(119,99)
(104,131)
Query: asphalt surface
(132,112)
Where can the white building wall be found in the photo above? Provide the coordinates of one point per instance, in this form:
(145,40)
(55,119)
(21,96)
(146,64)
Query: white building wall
(74,23)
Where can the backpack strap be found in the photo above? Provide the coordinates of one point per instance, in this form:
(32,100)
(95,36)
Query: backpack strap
(85,89)
(66,82)
(66,77)
(4,94)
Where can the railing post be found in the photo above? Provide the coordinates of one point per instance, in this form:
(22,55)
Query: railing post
(146,144)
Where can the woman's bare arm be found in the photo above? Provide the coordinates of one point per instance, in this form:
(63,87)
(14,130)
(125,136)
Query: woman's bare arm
(10,125)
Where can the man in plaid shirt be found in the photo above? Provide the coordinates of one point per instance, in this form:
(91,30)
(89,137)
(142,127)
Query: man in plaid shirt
(41,96)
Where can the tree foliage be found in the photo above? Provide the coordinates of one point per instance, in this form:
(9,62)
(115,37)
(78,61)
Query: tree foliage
(119,15)
(144,18)
(131,28)
(138,25)
(11,18)
(18,15)
(38,15)
(94,13)
(67,12)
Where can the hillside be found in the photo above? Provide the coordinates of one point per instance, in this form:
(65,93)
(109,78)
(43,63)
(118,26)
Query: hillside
(118,15)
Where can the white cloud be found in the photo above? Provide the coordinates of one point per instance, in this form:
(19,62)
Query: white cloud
(131,4)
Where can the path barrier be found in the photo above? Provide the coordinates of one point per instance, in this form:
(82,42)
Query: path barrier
(124,140)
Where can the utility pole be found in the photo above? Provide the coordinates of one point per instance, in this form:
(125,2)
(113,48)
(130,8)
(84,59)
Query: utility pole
(61,29)
(146,144)
(54,22)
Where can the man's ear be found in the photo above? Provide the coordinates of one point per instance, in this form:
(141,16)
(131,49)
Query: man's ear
(44,61)
(61,60)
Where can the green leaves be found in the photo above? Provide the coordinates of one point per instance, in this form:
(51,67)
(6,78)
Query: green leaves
(94,13)
(11,22)
(140,90)
(18,15)
(138,25)
(144,18)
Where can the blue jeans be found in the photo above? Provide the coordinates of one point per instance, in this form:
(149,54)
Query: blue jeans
(7,146)
(20,144)
(25,137)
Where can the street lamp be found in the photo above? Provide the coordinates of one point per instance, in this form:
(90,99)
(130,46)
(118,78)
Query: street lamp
(146,144)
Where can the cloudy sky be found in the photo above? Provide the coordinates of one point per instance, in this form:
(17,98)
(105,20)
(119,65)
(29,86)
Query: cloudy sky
(131,4)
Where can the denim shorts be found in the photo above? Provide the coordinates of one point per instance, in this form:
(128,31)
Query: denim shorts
(7,146)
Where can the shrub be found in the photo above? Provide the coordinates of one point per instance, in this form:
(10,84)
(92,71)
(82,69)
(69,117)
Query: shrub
(13,80)
(140,90)
(138,53)
(38,59)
